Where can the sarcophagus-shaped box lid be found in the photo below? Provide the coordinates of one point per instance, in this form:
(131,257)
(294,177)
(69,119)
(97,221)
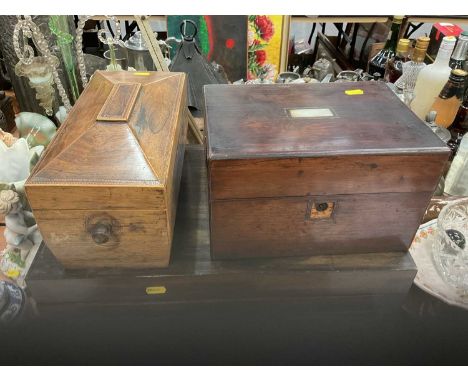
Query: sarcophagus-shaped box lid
(121,131)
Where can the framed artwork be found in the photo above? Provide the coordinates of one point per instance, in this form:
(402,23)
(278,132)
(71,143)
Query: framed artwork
(222,39)
(267,39)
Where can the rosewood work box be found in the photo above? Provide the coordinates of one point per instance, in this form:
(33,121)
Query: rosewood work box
(104,193)
(304,169)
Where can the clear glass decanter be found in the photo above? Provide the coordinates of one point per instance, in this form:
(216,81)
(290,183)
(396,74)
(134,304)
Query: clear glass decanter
(450,250)
(406,83)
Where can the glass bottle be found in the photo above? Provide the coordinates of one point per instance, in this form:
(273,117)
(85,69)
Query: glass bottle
(450,98)
(394,67)
(378,62)
(456,182)
(432,78)
(458,59)
(459,126)
(406,83)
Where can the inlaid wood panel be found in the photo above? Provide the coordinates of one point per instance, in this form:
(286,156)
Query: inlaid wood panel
(120,103)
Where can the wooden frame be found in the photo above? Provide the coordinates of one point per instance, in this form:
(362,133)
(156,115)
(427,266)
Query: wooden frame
(285,44)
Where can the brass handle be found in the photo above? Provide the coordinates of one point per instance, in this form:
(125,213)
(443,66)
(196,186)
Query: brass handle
(101,233)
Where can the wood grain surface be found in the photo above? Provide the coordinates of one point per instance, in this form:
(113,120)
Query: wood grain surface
(254,122)
(116,162)
(154,125)
(120,102)
(251,178)
(139,238)
(193,277)
(2,237)
(360,223)
(366,152)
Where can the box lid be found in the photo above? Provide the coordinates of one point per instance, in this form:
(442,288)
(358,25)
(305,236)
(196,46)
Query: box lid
(312,120)
(447,29)
(121,131)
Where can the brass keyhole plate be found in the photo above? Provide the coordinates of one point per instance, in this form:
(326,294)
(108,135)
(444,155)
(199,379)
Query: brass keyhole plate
(320,210)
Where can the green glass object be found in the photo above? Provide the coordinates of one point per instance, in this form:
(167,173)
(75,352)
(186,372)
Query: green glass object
(58,25)
(35,128)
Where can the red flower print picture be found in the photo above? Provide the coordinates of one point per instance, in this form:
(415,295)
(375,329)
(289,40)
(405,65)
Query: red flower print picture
(260,56)
(265,27)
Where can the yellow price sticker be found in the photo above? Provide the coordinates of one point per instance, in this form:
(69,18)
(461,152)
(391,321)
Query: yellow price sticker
(141,73)
(354,92)
(156,290)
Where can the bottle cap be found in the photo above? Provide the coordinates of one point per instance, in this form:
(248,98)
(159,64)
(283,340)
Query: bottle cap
(463,37)
(449,40)
(398,19)
(458,76)
(419,52)
(446,47)
(458,73)
(403,45)
(423,42)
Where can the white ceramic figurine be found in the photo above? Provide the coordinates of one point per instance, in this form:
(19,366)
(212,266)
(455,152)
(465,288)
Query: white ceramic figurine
(17,234)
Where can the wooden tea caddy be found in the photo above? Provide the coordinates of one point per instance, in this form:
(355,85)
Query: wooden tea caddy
(104,193)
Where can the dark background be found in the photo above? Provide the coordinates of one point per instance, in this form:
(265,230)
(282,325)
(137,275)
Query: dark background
(329,331)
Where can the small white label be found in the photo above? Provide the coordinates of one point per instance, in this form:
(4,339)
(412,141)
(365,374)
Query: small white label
(310,113)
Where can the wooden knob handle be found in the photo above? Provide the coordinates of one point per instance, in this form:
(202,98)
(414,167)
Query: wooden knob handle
(104,229)
(101,233)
